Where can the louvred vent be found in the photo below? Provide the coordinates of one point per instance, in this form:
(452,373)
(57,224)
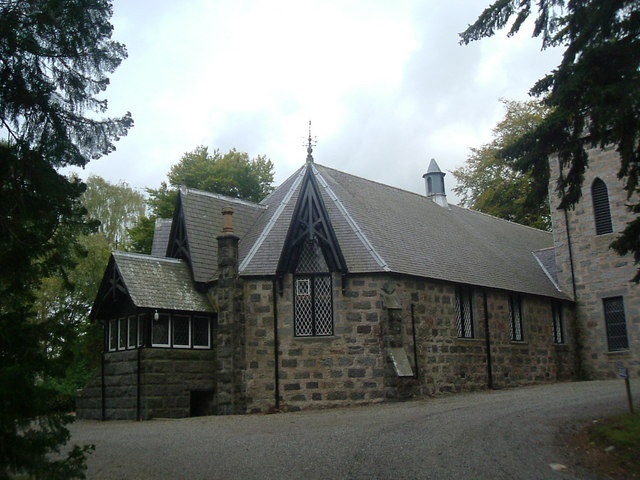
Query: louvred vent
(601,209)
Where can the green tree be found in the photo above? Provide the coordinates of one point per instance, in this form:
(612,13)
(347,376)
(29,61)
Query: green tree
(490,184)
(594,94)
(73,346)
(233,174)
(116,206)
(55,57)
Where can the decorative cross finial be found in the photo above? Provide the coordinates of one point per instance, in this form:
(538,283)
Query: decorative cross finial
(311,142)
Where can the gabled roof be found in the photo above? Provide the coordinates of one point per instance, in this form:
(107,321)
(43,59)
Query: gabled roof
(153,282)
(203,223)
(384,229)
(161,237)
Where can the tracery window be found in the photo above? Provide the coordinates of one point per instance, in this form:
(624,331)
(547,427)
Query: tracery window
(313,300)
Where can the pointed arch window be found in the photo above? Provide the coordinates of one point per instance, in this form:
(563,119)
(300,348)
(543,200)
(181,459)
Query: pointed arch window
(601,210)
(313,299)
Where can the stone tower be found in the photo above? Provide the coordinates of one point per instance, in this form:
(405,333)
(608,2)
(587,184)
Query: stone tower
(607,302)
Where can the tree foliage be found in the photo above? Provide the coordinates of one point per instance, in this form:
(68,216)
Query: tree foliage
(233,174)
(73,344)
(490,184)
(54,61)
(594,93)
(116,206)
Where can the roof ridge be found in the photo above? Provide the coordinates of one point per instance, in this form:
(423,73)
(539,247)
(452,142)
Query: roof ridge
(502,220)
(219,196)
(145,256)
(374,181)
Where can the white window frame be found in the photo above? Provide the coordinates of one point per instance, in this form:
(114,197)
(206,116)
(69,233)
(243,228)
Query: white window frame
(173,330)
(168,344)
(208,321)
(113,325)
(123,322)
(129,327)
(141,319)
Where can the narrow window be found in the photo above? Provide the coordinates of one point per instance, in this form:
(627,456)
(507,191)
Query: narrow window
(181,331)
(558,324)
(515,317)
(113,334)
(160,331)
(201,332)
(616,324)
(133,332)
(464,312)
(601,210)
(312,291)
(122,334)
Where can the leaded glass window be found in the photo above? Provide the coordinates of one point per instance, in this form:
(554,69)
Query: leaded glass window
(160,331)
(133,331)
(616,323)
(122,334)
(113,334)
(313,299)
(464,312)
(558,327)
(201,332)
(181,331)
(515,318)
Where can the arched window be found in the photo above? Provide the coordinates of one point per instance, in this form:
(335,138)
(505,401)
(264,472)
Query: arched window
(601,211)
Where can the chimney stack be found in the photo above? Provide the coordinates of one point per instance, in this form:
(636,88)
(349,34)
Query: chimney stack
(434,180)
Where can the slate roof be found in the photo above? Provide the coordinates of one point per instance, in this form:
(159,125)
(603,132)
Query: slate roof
(547,260)
(154,282)
(385,229)
(161,237)
(203,222)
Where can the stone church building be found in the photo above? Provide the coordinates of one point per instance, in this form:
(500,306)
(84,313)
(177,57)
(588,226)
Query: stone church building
(336,290)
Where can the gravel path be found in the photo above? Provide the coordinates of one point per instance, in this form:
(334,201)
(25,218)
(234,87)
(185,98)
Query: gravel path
(507,434)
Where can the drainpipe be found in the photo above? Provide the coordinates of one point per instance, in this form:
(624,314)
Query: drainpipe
(276,372)
(104,410)
(487,340)
(138,411)
(573,277)
(415,345)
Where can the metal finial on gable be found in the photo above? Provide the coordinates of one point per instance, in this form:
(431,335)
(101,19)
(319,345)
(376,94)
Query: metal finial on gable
(311,142)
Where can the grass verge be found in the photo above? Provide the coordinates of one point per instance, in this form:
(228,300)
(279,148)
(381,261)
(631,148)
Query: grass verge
(619,438)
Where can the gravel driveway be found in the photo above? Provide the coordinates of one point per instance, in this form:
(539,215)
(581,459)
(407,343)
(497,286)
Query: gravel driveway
(507,434)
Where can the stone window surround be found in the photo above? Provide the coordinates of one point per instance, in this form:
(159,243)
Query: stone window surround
(557,323)
(604,300)
(311,276)
(465,317)
(516,322)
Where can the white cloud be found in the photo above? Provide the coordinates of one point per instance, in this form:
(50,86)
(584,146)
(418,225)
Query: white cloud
(386,84)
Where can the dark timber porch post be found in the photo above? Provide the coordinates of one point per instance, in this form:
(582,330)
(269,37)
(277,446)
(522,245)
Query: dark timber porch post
(229,342)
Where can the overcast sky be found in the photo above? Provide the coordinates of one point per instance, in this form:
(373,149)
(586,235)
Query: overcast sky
(385,83)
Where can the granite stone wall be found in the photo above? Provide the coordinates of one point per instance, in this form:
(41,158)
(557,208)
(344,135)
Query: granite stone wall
(167,378)
(598,271)
(354,366)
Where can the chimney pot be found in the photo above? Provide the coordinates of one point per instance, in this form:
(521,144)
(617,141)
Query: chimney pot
(227,220)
